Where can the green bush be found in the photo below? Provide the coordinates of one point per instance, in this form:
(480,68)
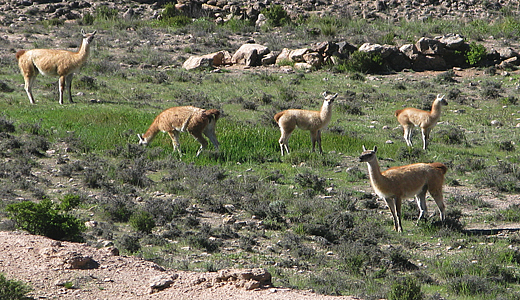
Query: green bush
(105,13)
(44,218)
(405,289)
(475,54)
(70,201)
(13,290)
(88,19)
(276,16)
(142,221)
(363,62)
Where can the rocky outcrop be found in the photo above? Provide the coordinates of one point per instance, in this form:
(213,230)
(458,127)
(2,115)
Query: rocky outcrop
(437,54)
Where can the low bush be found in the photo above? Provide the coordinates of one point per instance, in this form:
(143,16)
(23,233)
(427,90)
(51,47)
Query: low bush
(406,288)
(44,218)
(142,221)
(13,289)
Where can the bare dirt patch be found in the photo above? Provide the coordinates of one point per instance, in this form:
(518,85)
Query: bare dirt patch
(46,265)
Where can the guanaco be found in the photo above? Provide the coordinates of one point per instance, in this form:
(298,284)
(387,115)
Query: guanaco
(174,120)
(311,120)
(398,183)
(52,62)
(410,117)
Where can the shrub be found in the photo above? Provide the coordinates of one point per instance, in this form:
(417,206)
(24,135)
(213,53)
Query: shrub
(105,13)
(364,62)
(475,54)
(469,285)
(405,288)
(129,243)
(88,19)
(451,135)
(6,125)
(490,89)
(70,201)
(142,221)
(12,289)
(445,77)
(45,219)
(314,182)
(5,88)
(276,16)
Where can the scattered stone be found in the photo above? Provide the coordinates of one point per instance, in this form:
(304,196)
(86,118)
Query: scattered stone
(161,282)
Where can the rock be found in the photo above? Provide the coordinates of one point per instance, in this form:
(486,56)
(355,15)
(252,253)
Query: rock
(429,62)
(314,59)
(79,261)
(269,58)
(161,282)
(297,55)
(196,62)
(453,41)
(249,54)
(429,46)
(246,278)
(283,56)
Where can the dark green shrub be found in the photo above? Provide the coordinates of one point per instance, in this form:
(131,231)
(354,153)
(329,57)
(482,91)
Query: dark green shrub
(117,209)
(490,89)
(6,125)
(5,88)
(405,288)
(311,181)
(88,19)
(142,221)
(128,243)
(364,62)
(104,12)
(70,201)
(276,16)
(13,290)
(451,135)
(45,219)
(475,54)
(445,77)
(469,285)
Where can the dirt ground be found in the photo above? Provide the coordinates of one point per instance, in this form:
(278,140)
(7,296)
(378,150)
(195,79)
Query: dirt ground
(45,265)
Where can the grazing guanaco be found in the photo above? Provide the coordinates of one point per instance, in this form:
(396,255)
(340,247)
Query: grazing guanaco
(311,120)
(398,183)
(174,120)
(52,62)
(410,117)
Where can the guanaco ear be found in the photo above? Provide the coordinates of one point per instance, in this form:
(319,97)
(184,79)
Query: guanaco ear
(140,138)
(82,31)
(375,149)
(364,148)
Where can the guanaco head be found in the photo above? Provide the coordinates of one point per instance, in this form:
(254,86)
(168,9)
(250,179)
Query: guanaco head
(367,155)
(441,100)
(329,97)
(142,141)
(88,36)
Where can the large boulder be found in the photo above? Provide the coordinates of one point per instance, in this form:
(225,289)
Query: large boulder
(250,55)
(452,41)
(428,46)
(207,61)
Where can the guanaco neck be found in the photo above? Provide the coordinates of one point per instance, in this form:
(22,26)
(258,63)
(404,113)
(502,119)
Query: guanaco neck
(325,112)
(151,132)
(84,50)
(374,172)
(436,109)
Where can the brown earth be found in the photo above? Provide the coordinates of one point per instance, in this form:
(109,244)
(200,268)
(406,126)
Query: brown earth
(45,265)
